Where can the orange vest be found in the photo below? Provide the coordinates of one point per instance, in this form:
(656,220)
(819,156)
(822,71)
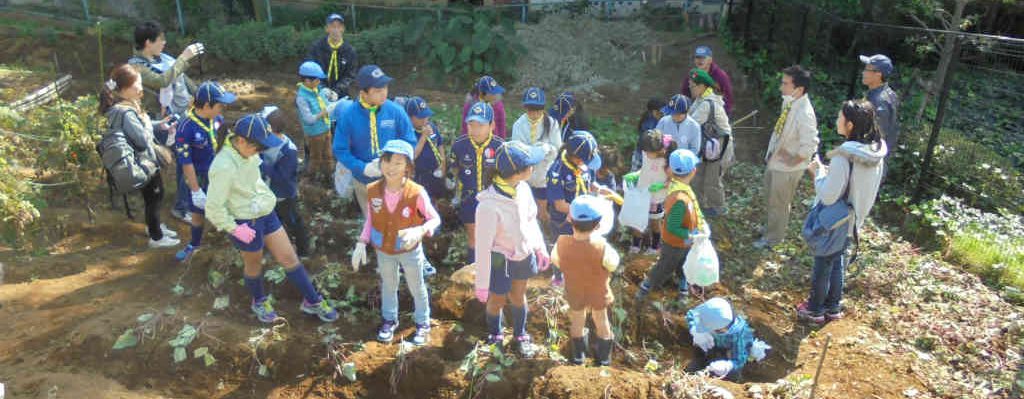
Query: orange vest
(586,279)
(690,222)
(385,224)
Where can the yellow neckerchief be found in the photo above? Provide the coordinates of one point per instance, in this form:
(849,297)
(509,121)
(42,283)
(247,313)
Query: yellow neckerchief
(374,143)
(676,185)
(208,128)
(707,92)
(480,161)
(433,147)
(319,100)
(782,117)
(534,124)
(581,186)
(503,187)
(332,68)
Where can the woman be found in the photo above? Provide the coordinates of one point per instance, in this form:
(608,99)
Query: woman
(708,104)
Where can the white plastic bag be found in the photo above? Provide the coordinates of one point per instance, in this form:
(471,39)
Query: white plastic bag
(636,206)
(342,181)
(701,266)
(759,349)
(607,211)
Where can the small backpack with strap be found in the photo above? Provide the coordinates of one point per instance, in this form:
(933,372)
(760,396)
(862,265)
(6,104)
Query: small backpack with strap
(128,170)
(827,227)
(713,141)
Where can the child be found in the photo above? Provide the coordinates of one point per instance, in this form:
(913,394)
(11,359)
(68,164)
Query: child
(611,166)
(332,53)
(315,116)
(430,154)
(241,203)
(587,260)
(676,123)
(721,339)
(648,120)
(196,145)
(569,177)
(656,148)
(487,90)
(538,129)
(400,216)
(562,111)
(509,242)
(280,168)
(474,155)
(684,219)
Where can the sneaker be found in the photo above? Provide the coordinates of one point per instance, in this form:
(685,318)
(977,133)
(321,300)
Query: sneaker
(762,243)
(633,250)
(185,253)
(168,232)
(320,309)
(264,311)
(495,340)
(643,291)
(835,314)
(651,251)
(429,270)
(386,331)
(165,242)
(525,346)
(804,313)
(422,335)
(185,216)
(557,280)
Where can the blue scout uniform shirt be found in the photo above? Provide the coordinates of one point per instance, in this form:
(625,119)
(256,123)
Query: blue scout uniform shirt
(195,142)
(562,185)
(428,162)
(464,152)
(280,166)
(353,144)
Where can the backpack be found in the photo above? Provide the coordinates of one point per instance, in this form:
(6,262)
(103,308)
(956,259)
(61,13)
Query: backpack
(826,229)
(713,142)
(128,171)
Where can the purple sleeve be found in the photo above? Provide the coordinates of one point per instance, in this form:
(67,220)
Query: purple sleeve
(465,111)
(725,84)
(685,90)
(499,119)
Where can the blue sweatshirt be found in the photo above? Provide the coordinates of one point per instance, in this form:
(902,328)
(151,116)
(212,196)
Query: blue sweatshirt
(353,146)
(281,167)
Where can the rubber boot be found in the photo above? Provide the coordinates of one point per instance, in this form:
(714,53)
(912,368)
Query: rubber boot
(579,351)
(604,352)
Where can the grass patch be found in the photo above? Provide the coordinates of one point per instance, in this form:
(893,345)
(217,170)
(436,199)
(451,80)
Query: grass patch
(997,261)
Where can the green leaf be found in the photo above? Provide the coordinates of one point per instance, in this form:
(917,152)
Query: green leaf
(178,290)
(221,302)
(200,352)
(216,278)
(263,371)
(209,360)
(349,371)
(482,41)
(126,340)
(478,66)
(180,354)
(170,311)
(493,378)
(144,318)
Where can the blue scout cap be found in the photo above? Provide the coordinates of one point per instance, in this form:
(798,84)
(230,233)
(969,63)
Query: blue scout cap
(682,161)
(585,208)
(255,127)
(417,107)
(210,92)
(401,147)
(563,105)
(534,96)
(514,157)
(712,315)
(487,85)
(371,76)
(335,17)
(582,144)
(480,112)
(882,63)
(702,51)
(678,104)
(311,69)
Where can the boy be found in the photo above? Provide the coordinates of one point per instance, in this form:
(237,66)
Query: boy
(337,57)
(677,123)
(315,109)
(721,339)
(474,161)
(280,167)
(195,145)
(430,154)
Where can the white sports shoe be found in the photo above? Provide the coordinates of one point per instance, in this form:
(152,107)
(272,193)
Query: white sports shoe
(165,242)
(167,231)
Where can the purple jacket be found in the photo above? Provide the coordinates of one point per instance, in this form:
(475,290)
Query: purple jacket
(720,77)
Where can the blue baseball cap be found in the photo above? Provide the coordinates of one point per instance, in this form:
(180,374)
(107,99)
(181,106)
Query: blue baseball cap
(371,76)
(678,104)
(565,103)
(583,145)
(256,127)
(399,147)
(682,161)
(417,107)
(210,92)
(882,63)
(310,69)
(480,112)
(702,51)
(335,17)
(534,96)
(487,85)
(712,315)
(514,157)
(585,208)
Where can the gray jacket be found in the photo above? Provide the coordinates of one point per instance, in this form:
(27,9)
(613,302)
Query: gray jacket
(867,161)
(138,130)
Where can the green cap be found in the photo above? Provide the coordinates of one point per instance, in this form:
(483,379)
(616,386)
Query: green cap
(701,76)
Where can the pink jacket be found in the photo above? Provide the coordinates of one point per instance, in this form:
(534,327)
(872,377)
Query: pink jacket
(507,226)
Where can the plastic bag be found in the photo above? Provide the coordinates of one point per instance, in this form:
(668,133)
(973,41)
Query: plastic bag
(636,207)
(701,266)
(758,350)
(607,211)
(342,181)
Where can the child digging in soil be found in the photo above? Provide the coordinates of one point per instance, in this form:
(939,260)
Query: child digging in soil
(242,204)
(400,215)
(587,260)
(280,168)
(652,175)
(722,340)
(509,243)
(474,156)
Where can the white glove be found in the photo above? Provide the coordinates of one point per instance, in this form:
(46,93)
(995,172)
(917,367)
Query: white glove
(372,169)
(411,237)
(330,94)
(199,199)
(758,350)
(704,341)
(193,50)
(450,183)
(359,256)
(720,368)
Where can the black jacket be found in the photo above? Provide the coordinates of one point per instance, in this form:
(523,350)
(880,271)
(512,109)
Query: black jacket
(320,52)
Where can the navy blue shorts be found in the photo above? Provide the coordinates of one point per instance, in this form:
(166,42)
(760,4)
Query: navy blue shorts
(264,226)
(504,271)
(561,227)
(467,210)
(204,184)
(539,193)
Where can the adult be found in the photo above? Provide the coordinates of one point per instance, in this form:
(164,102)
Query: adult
(363,127)
(702,59)
(877,69)
(854,173)
(794,141)
(335,56)
(708,110)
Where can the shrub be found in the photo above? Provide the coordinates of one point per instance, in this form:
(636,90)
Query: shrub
(468,42)
(258,41)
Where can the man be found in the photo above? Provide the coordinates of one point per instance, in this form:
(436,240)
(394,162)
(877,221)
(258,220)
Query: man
(363,127)
(794,142)
(337,58)
(877,69)
(702,59)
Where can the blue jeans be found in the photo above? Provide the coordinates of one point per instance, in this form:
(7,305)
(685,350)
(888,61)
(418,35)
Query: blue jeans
(182,197)
(412,263)
(827,283)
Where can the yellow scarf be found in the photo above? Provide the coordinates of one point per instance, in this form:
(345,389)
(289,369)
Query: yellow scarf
(374,143)
(707,92)
(480,161)
(433,148)
(534,125)
(503,186)
(782,118)
(333,70)
(581,186)
(319,100)
(208,128)
(676,185)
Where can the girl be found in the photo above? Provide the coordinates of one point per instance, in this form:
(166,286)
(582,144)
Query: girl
(121,101)
(648,120)
(240,203)
(400,216)
(855,172)
(315,110)
(569,177)
(656,148)
(486,90)
(474,156)
(565,112)
(510,243)
(708,105)
(537,129)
